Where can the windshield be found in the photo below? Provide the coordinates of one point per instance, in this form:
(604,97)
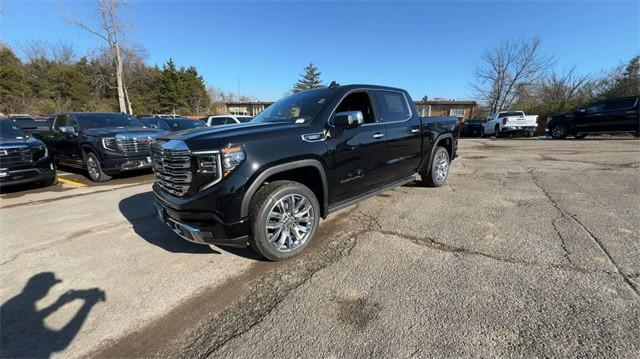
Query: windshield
(97,120)
(304,106)
(183,124)
(9,130)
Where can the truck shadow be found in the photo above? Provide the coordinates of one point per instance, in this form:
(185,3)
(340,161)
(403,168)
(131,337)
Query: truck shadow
(24,332)
(139,211)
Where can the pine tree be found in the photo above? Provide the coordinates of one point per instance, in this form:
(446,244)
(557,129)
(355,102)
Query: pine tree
(13,86)
(169,89)
(309,80)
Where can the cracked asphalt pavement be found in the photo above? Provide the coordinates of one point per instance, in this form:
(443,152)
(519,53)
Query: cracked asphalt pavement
(531,249)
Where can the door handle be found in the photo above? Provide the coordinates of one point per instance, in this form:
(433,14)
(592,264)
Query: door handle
(378,135)
(415,130)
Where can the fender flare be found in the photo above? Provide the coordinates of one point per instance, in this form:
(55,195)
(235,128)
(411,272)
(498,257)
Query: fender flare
(435,145)
(255,185)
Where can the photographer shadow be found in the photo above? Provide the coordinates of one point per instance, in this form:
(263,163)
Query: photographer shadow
(24,333)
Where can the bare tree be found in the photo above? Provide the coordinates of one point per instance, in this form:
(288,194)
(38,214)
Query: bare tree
(110,30)
(512,64)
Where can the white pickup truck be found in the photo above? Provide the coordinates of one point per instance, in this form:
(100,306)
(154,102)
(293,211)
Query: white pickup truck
(509,122)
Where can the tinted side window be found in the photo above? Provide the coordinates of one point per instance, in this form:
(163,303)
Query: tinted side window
(595,107)
(221,121)
(619,104)
(393,106)
(61,120)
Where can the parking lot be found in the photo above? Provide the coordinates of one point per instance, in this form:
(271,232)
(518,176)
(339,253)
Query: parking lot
(530,249)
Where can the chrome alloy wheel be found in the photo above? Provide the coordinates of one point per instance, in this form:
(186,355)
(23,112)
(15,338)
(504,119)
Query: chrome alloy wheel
(92,168)
(558,131)
(442,166)
(289,223)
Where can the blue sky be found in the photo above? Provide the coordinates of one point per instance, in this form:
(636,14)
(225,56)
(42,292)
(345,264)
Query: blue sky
(429,48)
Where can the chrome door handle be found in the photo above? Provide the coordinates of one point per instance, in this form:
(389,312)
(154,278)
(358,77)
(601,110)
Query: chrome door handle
(415,130)
(378,135)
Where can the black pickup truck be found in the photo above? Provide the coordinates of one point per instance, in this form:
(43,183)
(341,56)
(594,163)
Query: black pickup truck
(614,115)
(23,158)
(267,182)
(103,143)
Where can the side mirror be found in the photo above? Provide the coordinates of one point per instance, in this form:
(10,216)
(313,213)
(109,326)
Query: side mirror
(69,130)
(348,119)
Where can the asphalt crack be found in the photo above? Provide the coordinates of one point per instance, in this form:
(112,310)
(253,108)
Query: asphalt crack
(573,218)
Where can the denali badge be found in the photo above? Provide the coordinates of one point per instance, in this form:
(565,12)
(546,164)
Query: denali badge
(144,141)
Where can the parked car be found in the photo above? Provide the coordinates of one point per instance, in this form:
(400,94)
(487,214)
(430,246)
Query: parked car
(172,124)
(268,182)
(615,115)
(508,123)
(227,120)
(36,126)
(23,158)
(472,128)
(103,143)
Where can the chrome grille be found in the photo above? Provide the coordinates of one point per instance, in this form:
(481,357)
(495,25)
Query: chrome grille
(172,169)
(15,156)
(134,145)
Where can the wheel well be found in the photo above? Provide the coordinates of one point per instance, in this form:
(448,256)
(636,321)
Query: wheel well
(308,176)
(447,144)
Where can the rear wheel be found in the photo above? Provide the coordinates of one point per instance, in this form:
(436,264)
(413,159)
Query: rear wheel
(439,170)
(284,219)
(560,131)
(95,169)
(580,136)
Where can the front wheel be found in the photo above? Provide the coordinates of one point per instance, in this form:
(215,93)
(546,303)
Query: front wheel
(559,131)
(439,170)
(95,169)
(284,219)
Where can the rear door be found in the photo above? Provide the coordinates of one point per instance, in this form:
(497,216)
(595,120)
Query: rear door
(404,134)
(621,115)
(359,153)
(590,119)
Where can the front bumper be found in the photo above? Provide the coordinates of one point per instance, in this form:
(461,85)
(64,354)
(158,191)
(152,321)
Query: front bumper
(42,172)
(119,164)
(203,227)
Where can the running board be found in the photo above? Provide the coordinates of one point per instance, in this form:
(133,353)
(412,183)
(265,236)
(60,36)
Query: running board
(344,204)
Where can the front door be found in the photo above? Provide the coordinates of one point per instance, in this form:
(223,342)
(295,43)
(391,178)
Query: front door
(65,145)
(358,153)
(590,119)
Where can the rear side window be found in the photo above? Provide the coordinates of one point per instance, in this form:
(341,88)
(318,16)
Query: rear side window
(595,107)
(622,104)
(512,113)
(393,106)
(217,121)
(61,120)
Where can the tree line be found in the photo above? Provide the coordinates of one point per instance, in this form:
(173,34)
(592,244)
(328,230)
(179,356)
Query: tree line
(517,74)
(46,83)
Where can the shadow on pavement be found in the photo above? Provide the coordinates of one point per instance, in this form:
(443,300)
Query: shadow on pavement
(139,211)
(24,333)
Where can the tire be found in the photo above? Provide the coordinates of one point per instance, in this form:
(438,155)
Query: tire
(482,134)
(94,169)
(282,241)
(437,174)
(497,132)
(559,131)
(580,136)
(49,182)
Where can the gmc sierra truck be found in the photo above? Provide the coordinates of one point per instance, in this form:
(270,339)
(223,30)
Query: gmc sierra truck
(103,143)
(508,123)
(267,182)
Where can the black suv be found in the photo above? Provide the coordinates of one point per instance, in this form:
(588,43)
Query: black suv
(267,182)
(23,158)
(172,123)
(615,115)
(102,143)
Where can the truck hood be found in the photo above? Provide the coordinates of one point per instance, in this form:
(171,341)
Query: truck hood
(126,132)
(19,142)
(207,138)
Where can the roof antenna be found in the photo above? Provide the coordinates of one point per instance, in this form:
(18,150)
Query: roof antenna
(333,85)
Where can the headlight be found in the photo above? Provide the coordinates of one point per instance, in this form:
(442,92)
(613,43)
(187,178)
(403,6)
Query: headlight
(40,153)
(110,143)
(231,158)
